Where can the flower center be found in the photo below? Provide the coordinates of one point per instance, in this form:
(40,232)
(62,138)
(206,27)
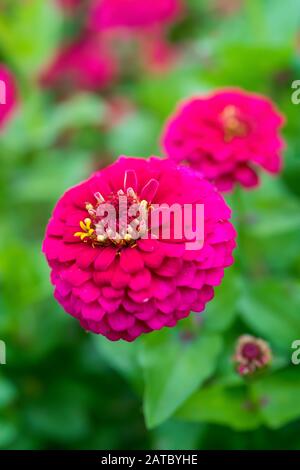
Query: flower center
(233,125)
(250,351)
(119,220)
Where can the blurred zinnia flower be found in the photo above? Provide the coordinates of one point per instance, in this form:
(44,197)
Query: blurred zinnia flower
(227,136)
(86,64)
(251,354)
(110,14)
(120,286)
(7,94)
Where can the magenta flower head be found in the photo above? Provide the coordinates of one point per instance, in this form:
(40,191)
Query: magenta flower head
(7,94)
(86,64)
(127,280)
(251,354)
(110,14)
(227,136)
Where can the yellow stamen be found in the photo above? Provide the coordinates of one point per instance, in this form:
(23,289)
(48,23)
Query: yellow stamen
(233,126)
(87,230)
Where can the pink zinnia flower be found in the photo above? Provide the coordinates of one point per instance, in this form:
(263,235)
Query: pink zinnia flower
(107,14)
(122,287)
(86,64)
(7,94)
(227,136)
(251,354)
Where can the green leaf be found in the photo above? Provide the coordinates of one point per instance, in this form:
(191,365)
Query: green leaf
(223,406)
(39,124)
(271,308)
(177,435)
(221,311)
(7,392)
(174,87)
(262,23)
(173,370)
(29,33)
(279,394)
(81,110)
(29,278)
(53,173)
(120,355)
(8,433)
(137,135)
(61,413)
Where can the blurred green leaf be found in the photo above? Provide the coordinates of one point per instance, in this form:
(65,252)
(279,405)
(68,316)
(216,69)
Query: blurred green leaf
(8,433)
(29,33)
(7,393)
(177,435)
(53,174)
(173,370)
(60,413)
(262,23)
(120,355)
(220,405)
(28,280)
(221,311)
(279,394)
(137,135)
(40,123)
(271,308)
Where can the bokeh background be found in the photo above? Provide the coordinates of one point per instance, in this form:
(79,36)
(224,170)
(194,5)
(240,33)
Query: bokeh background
(63,388)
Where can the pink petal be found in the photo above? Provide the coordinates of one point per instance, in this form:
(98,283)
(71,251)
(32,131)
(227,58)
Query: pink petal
(153,260)
(75,276)
(157,322)
(247,177)
(213,277)
(110,305)
(119,278)
(147,245)
(161,288)
(170,267)
(88,292)
(174,250)
(131,260)
(207,294)
(92,312)
(141,280)
(130,180)
(149,190)
(86,257)
(121,321)
(111,293)
(105,258)
(140,296)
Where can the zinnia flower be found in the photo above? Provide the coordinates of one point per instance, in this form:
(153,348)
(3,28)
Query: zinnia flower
(227,136)
(251,354)
(120,286)
(7,94)
(107,14)
(86,64)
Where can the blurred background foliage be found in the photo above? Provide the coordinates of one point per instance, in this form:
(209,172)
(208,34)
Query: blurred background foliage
(64,388)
